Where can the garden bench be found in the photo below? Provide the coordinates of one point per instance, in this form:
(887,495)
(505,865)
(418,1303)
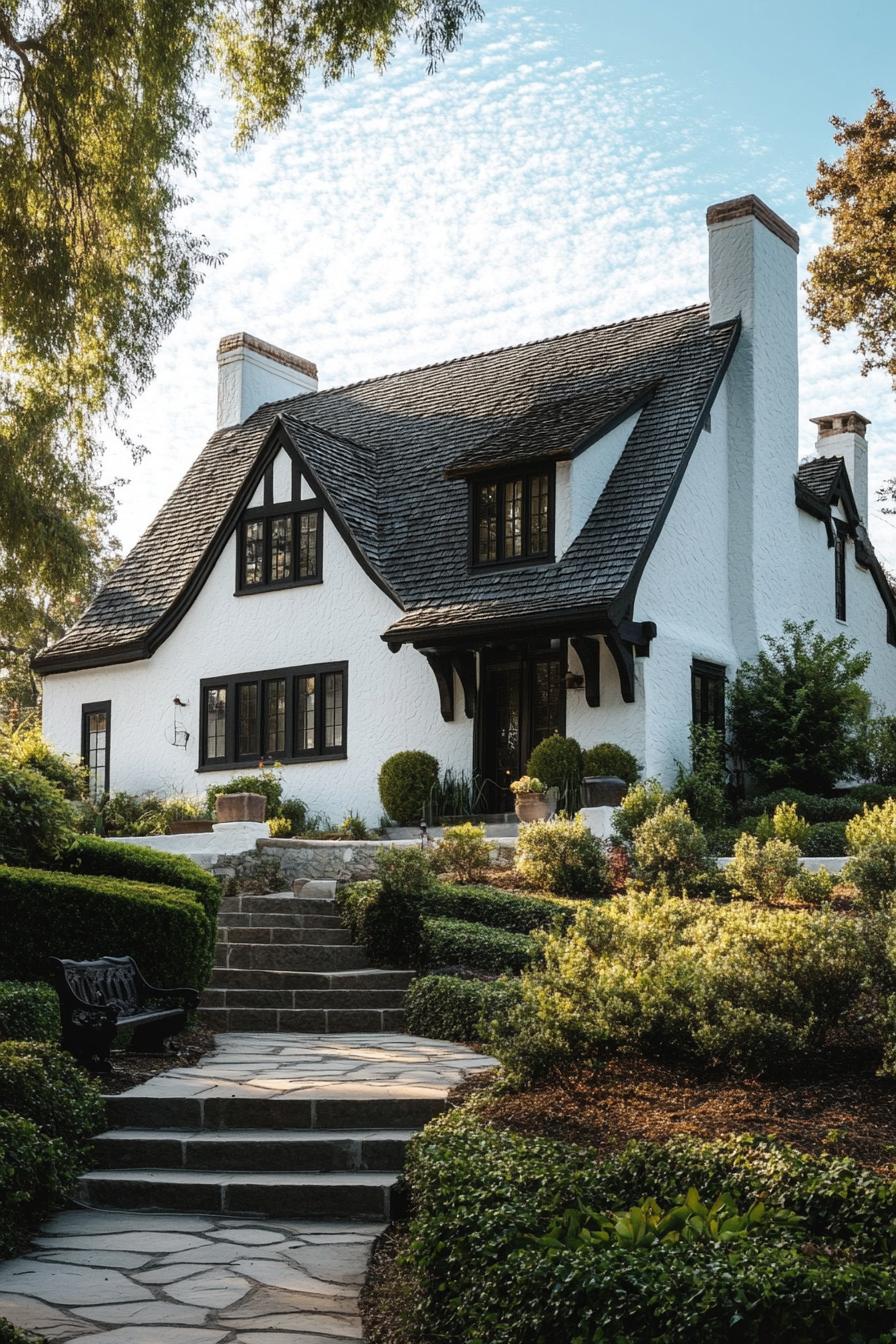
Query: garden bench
(99,998)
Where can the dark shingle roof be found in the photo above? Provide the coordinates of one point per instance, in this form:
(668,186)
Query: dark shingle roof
(820,475)
(381,449)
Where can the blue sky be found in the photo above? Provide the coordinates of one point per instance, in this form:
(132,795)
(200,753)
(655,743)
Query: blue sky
(554,175)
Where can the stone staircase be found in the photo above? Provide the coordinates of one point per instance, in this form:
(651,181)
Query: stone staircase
(284,962)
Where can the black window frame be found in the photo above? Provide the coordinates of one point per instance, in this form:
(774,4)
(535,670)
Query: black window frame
(266,514)
(500,480)
(840,536)
(96,707)
(703,675)
(233,758)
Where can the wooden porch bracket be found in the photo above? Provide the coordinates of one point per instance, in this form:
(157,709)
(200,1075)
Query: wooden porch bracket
(639,633)
(622,652)
(464,664)
(443,671)
(588,651)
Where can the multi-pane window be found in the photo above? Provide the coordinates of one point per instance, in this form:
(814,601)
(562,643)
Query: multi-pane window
(840,576)
(279,548)
(708,695)
(287,714)
(95,721)
(512,519)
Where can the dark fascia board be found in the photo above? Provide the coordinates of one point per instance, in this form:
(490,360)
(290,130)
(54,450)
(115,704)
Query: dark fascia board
(626,600)
(277,437)
(490,630)
(587,440)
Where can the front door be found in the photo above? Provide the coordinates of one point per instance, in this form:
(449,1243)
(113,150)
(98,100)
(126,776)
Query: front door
(522,700)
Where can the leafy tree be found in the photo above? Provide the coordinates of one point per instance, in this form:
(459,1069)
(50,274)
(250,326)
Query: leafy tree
(798,712)
(852,280)
(98,120)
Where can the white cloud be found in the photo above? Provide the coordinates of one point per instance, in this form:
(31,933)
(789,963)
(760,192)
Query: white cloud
(402,219)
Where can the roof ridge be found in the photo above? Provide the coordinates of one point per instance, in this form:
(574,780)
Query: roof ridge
(330,433)
(484,354)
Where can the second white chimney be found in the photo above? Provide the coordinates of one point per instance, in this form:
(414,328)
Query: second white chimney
(252,372)
(843,435)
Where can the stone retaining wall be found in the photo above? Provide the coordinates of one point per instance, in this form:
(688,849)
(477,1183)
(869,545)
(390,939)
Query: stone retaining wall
(278,863)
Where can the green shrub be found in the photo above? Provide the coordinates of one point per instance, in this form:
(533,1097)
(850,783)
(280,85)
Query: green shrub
(354,827)
(721,842)
(280,828)
(670,851)
(33,1179)
(879,763)
(871,840)
(609,760)
(873,794)
(515,911)
(702,787)
(483,1200)
(35,819)
(45,1085)
(827,839)
(386,914)
(28,1012)
(353,902)
(739,985)
(295,812)
(46,914)
(454,942)
(449,1008)
(784,824)
(799,711)
(811,806)
(563,857)
(25,746)
(129,814)
(463,851)
(406,781)
(557,761)
(771,873)
(138,863)
(10,1334)
(642,801)
(266,782)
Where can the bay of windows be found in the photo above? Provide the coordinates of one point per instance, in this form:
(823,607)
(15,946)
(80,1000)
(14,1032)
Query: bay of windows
(288,714)
(512,518)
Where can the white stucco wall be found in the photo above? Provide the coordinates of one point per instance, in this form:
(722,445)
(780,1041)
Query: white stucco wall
(392,698)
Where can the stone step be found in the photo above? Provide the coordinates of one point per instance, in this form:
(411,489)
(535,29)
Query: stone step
(262,919)
(372,977)
(289,957)
(362,1107)
(280,902)
(303,998)
(348,1194)
(315,886)
(329,1020)
(252,1149)
(305,936)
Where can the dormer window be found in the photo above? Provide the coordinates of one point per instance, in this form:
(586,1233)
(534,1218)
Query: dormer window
(512,517)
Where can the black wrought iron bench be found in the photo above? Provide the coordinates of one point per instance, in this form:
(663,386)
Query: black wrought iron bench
(102,997)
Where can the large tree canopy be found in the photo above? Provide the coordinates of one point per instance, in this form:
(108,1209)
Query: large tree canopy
(98,121)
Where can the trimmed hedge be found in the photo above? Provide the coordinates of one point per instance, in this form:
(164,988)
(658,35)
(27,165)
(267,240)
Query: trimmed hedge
(450,1008)
(455,942)
(483,1200)
(826,839)
(511,910)
(811,807)
(28,1012)
(31,1182)
(36,822)
(47,914)
(44,1084)
(138,863)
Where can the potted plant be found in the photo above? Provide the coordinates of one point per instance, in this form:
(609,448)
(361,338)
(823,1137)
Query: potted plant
(530,801)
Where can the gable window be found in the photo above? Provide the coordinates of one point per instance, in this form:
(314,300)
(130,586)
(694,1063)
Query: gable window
(286,714)
(95,724)
(280,545)
(708,695)
(512,518)
(840,576)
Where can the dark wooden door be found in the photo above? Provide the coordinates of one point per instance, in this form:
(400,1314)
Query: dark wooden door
(522,700)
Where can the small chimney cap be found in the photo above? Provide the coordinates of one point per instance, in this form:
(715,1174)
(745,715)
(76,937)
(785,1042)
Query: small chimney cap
(241,340)
(742,207)
(844,422)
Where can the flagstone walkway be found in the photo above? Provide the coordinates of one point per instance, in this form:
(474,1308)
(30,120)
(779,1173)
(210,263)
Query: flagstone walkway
(243,1153)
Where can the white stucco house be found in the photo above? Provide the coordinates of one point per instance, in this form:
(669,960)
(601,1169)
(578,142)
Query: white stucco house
(586,533)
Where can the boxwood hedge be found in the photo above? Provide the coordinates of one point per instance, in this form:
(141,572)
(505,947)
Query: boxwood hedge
(45,1085)
(455,942)
(104,858)
(28,1012)
(451,1008)
(514,911)
(483,1201)
(32,1179)
(45,914)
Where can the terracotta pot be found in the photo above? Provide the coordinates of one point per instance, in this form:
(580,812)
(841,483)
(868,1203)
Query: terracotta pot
(189,827)
(532,807)
(240,806)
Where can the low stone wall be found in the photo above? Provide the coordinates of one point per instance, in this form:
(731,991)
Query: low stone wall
(279,863)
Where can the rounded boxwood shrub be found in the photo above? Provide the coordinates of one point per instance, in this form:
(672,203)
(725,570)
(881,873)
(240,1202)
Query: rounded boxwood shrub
(454,942)
(609,759)
(670,850)
(563,857)
(406,782)
(452,1008)
(46,914)
(33,1179)
(28,1012)
(557,761)
(45,1085)
(35,819)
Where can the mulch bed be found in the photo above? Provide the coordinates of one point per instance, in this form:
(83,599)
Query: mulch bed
(129,1069)
(838,1105)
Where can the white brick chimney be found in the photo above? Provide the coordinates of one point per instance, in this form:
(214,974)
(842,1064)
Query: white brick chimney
(753,275)
(252,372)
(843,435)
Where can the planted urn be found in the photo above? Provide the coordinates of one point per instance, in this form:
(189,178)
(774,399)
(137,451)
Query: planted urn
(530,800)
